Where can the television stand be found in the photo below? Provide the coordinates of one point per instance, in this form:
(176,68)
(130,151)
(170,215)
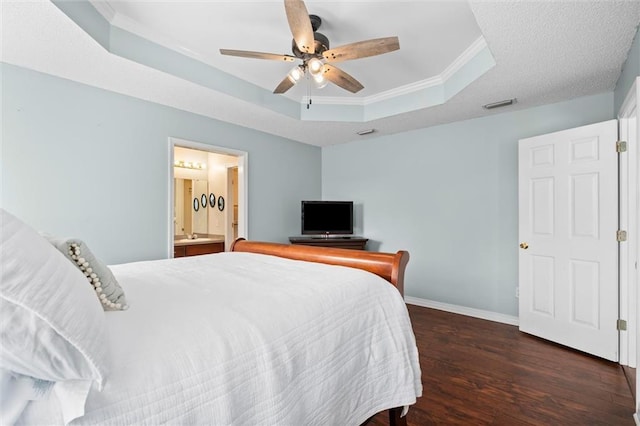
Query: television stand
(346,242)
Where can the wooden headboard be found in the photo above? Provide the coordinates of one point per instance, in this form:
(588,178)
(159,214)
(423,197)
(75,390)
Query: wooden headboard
(389,266)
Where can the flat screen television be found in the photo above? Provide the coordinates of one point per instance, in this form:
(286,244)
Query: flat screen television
(327,217)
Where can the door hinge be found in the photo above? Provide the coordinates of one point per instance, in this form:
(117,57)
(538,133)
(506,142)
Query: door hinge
(621,146)
(621,235)
(621,325)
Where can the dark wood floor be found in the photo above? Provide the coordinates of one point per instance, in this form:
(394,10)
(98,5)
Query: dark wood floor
(477,372)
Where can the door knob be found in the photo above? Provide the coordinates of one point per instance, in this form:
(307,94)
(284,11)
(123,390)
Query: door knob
(524,246)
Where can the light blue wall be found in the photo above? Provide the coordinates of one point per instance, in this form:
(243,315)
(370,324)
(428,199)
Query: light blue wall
(448,195)
(630,70)
(84,162)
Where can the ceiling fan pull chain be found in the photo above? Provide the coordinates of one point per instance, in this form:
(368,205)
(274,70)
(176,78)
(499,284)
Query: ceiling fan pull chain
(308,92)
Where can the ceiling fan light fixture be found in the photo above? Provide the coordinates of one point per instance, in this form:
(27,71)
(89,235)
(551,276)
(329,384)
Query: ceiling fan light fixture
(315,66)
(296,74)
(320,81)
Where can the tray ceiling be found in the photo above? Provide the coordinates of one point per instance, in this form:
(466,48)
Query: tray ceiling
(454,57)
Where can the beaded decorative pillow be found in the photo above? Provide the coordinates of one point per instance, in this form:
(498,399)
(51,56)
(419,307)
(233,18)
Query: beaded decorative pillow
(98,274)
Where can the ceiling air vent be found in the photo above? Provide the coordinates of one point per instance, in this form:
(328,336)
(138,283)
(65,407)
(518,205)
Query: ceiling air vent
(499,104)
(366,132)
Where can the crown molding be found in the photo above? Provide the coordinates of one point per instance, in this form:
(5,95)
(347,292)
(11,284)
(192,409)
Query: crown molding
(127,38)
(470,52)
(378,97)
(404,90)
(439,80)
(131,25)
(128,24)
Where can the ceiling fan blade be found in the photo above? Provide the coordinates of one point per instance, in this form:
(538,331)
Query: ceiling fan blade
(258,55)
(362,49)
(284,85)
(300,25)
(342,79)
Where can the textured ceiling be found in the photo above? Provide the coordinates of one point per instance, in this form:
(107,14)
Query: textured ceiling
(544,52)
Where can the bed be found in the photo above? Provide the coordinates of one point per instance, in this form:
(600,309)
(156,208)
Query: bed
(266,334)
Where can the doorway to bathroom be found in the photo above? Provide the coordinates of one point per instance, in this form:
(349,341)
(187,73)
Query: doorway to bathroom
(207,196)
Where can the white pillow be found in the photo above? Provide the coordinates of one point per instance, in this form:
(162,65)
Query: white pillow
(52,326)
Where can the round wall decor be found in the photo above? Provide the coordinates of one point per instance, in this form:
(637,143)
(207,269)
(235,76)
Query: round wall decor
(220,203)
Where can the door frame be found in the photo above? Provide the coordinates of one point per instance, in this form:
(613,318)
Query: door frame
(629,185)
(631,109)
(243,185)
(228,216)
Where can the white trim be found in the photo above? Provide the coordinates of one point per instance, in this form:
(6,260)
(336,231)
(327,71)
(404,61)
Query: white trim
(228,211)
(637,236)
(171,188)
(128,24)
(628,221)
(423,93)
(333,100)
(466,56)
(438,80)
(463,310)
(243,194)
(630,101)
(629,294)
(382,96)
(243,185)
(404,90)
(131,25)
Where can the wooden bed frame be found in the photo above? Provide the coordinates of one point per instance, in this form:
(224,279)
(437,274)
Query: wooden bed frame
(386,265)
(389,266)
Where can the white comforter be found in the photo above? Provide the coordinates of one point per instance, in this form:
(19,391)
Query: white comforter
(247,339)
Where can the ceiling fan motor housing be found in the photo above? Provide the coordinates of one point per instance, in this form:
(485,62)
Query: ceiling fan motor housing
(316,21)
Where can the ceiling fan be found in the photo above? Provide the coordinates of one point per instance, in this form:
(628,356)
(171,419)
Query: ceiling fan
(313,49)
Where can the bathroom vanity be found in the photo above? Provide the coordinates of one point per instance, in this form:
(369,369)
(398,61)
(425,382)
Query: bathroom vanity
(183,246)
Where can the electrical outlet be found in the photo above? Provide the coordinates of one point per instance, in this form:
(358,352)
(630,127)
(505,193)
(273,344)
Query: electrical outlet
(517,292)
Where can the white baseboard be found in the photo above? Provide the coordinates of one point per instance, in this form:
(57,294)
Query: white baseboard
(463,310)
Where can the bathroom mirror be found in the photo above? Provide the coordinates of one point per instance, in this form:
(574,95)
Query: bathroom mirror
(185,218)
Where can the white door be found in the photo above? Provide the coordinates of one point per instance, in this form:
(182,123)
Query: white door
(568,218)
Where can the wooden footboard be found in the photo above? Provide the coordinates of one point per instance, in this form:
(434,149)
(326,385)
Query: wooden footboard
(389,266)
